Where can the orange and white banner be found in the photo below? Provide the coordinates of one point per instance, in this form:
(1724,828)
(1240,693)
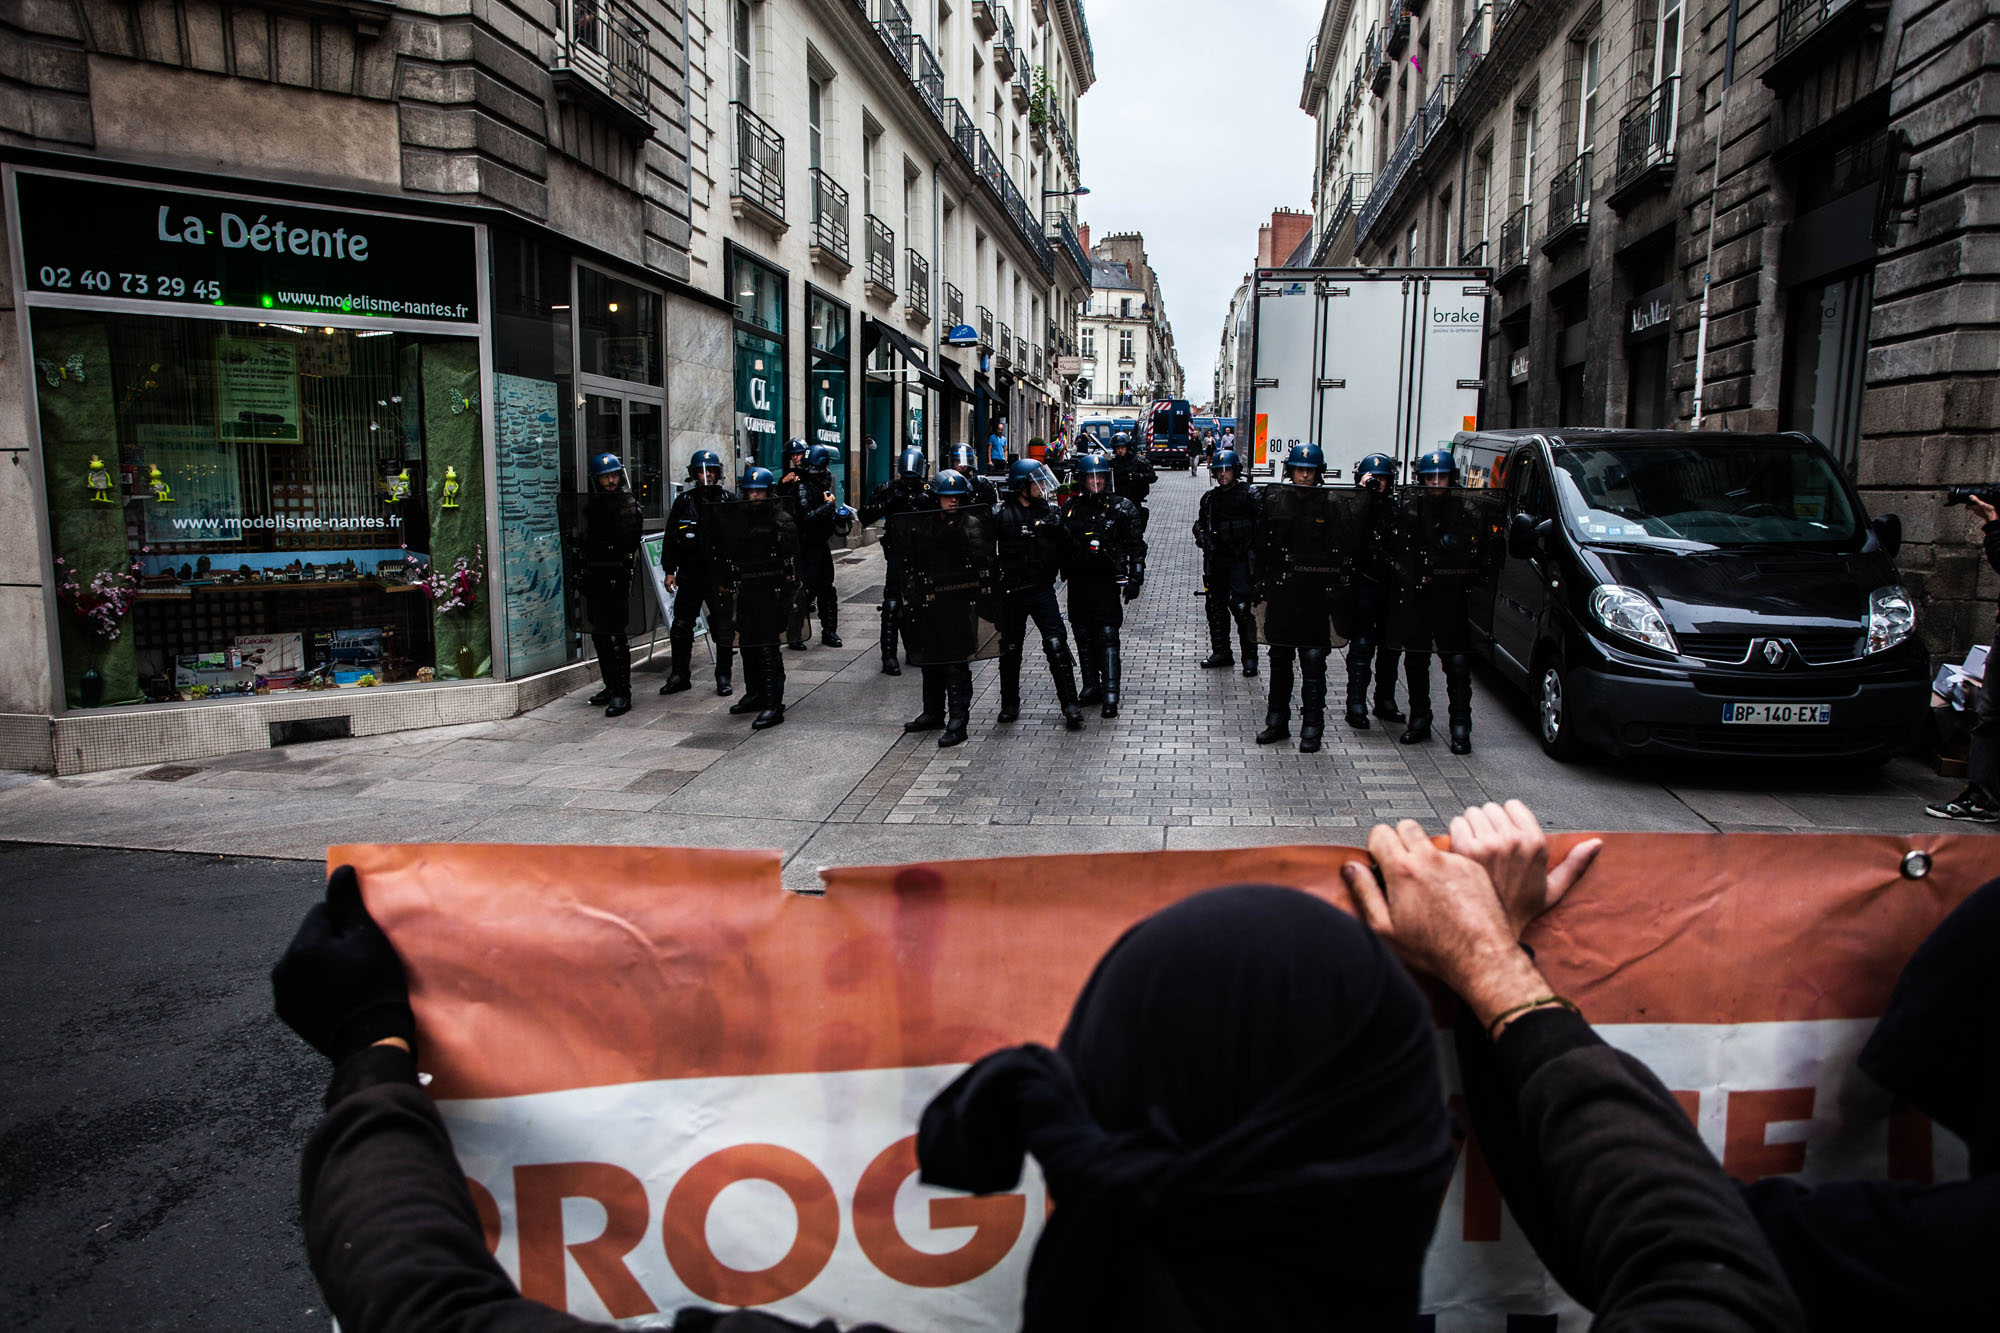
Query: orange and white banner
(670,1081)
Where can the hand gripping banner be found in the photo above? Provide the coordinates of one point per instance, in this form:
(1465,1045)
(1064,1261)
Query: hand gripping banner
(671,1082)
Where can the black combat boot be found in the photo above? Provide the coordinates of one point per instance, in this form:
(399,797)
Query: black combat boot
(1359,654)
(958,707)
(1385,684)
(829,618)
(772,687)
(601,698)
(1312,698)
(681,651)
(1062,667)
(796,631)
(890,667)
(1218,634)
(933,715)
(1417,674)
(723,687)
(1090,665)
(1458,700)
(1010,683)
(753,683)
(1278,711)
(1112,666)
(1246,630)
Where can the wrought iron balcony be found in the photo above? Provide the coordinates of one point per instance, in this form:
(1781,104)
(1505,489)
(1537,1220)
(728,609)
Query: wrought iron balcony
(1472,43)
(757,176)
(829,238)
(1514,242)
(881,253)
(1005,59)
(1065,141)
(1353,195)
(892,25)
(1380,66)
(603,47)
(1437,104)
(1003,346)
(985,19)
(954,305)
(1646,134)
(1006,27)
(918,290)
(1063,232)
(1800,19)
(1503,12)
(964,133)
(1569,200)
(1392,173)
(1474,255)
(927,74)
(1396,37)
(985,328)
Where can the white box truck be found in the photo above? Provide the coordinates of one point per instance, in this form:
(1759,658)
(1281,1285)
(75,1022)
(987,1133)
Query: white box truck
(1362,361)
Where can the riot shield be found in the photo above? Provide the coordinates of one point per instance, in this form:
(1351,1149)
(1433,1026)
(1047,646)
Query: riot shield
(600,560)
(1446,539)
(752,547)
(1308,539)
(950,565)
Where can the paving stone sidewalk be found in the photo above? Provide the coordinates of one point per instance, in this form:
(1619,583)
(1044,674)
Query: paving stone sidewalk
(840,783)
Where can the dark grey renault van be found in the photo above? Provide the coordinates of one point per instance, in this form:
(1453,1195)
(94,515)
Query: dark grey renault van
(1696,593)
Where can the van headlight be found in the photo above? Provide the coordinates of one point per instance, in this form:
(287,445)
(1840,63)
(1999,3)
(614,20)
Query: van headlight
(1629,612)
(1891,618)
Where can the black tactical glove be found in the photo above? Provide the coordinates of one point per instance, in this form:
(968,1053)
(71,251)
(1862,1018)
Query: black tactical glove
(1132,589)
(340,984)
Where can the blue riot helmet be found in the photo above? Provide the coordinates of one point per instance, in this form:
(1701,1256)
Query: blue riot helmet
(756,479)
(1374,466)
(951,484)
(1305,456)
(603,465)
(1093,473)
(1437,468)
(1225,460)
(1028,472)
(962,458)
(794,448)
(1122,440)
(911,465)
(819,458)
(705,468)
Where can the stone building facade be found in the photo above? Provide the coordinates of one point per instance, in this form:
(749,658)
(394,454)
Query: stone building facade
(1758,215)
(1124,336)
(321,308)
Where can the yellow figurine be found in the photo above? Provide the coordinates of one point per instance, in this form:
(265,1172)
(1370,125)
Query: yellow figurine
(161,490)
(450,488)
(399,487)
(98,478)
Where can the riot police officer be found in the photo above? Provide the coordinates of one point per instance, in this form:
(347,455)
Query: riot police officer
(901,494)
(1431,599)
(1369,599)
(1132,474)
(691,578)
(1107,568)
(807,490)
(1298,620)
(1224,529)
(950,576)
(758,544)
(608,539)
(1033,545)
(963,460)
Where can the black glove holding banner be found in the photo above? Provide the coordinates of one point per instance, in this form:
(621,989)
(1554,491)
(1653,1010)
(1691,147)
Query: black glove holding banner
(340,984)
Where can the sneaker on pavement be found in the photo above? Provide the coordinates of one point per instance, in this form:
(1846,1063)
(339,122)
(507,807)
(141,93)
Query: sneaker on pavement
(1971,805)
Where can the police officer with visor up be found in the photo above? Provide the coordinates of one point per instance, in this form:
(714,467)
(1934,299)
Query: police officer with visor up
(807,489)
(1033,550)
(606,530)
(964,460)
(1225,528)
(691,577)
(902,494)
(1368,601)
(1107,568)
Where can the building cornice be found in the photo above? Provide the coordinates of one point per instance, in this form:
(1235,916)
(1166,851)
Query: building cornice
(1076,39)
(1332,22)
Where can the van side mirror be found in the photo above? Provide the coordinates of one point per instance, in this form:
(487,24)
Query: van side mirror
(1887,530)
(1521,536)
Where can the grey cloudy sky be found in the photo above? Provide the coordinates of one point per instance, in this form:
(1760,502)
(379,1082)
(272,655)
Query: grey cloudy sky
(1192,134)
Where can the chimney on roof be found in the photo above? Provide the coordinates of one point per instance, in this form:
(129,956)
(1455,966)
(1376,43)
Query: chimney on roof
(1083,235)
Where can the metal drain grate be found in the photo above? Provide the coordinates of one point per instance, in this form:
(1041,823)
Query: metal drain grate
(170,773)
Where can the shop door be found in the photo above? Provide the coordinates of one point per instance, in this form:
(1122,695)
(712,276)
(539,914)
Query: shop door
(633,427)
(880,431)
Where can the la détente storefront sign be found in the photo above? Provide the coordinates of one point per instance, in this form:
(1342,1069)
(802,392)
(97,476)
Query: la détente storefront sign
(133,242)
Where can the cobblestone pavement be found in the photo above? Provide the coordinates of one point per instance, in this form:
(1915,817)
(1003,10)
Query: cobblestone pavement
(840,783)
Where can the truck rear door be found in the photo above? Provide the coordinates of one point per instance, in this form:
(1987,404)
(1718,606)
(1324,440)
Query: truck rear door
(1448,349)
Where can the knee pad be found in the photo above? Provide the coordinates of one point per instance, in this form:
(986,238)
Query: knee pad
(1057,650)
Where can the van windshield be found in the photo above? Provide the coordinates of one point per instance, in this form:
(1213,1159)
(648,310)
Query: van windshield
(1705,493)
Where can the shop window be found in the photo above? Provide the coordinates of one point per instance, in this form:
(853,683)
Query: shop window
(758,292)
(618,328)
(827,399)
(240,507)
